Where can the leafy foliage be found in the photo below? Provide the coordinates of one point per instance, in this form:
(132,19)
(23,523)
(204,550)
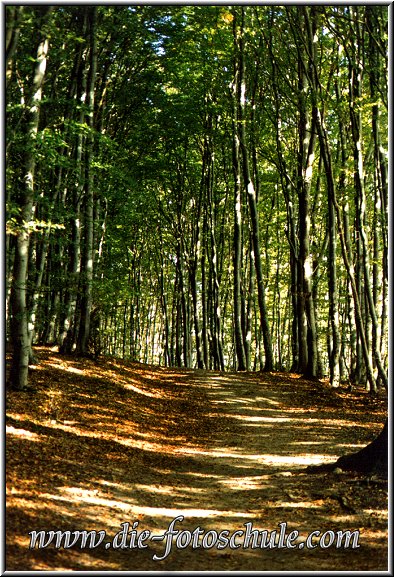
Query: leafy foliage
(161,165)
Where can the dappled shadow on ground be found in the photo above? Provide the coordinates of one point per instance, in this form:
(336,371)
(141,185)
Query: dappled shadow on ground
(94,445)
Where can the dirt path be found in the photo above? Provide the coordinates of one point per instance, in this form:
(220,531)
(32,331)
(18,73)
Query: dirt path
(99,445)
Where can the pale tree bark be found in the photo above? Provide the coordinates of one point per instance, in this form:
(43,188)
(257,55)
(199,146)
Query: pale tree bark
(355,89)
(343,230)
(344,235)
(177,321)
(196,247)
(41,242)
(250,306)
(164,306)
(377,73)
(352,51)
(239,342)
(19,328)
(204,296)
(33,301)
(215,316)
(307,332)
(185,307)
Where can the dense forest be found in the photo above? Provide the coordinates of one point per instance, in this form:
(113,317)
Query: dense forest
(199,186)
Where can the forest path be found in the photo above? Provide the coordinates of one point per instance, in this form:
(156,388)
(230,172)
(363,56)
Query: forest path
(96,445)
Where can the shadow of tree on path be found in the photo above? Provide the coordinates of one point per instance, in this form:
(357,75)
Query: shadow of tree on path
(97,445)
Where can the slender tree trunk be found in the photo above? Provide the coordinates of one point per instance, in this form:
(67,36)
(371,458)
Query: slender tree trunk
(239,342)
(344,236)
(307,330)
(19,329)
(196,244)
(185,318)
(249,305)
(307,324)
(178,323)
(204,296)
(251,193)
(343,230)
(33,304)
(381,189)
(70,319)
(332,231)
(291,219)
(332,277)
(164,308)
(215,287)
(87,261)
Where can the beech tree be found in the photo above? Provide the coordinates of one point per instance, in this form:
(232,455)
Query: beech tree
(200,186)
(251,191)
(88,254)
(31,97)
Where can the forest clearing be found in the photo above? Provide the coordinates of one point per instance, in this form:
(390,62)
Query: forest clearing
(93,445)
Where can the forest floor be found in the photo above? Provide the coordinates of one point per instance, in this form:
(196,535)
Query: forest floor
(93,445)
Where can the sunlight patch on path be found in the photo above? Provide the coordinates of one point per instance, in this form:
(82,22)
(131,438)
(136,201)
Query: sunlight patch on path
(77,495)
(259,459)
(22,433)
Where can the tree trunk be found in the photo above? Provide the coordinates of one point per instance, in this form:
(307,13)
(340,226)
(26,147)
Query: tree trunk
(204,296)
(33,301)
(372,459)
(376,72)
(251,193)
(68,323)
(163,301)
(239,343)
(306,313)
(87,262)
(355,77)
(215,316)
(196,243)
(19,328)
(332,233)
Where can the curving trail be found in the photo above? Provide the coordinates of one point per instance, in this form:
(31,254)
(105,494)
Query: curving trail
(97,445)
